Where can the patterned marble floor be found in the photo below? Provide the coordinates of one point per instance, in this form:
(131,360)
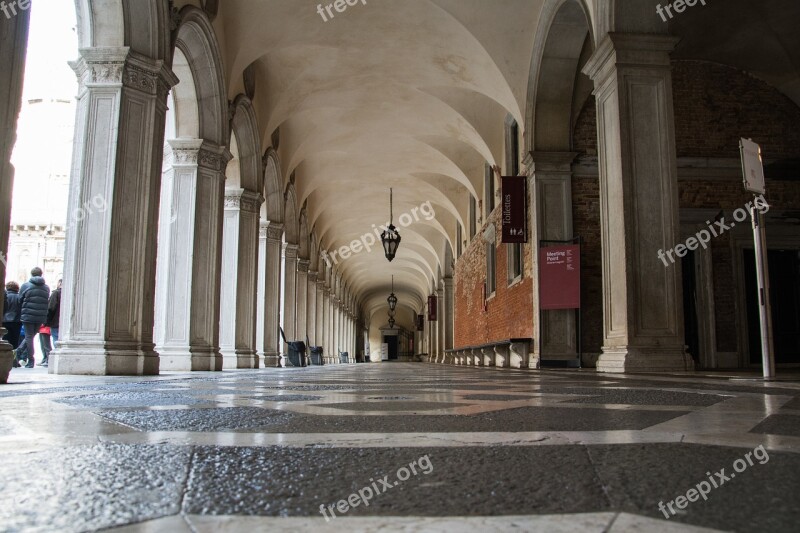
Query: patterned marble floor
(399,447)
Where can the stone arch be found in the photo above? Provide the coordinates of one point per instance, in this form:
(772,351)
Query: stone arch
(273,190)
(562,36)
(292,218)
(245,129)
(303,236)
(198,43)
(117,23)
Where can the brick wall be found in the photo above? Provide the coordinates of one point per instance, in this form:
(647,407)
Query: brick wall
(509,313)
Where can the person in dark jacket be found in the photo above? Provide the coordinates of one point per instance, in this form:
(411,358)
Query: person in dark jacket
(54,312)
(12,313)
(34,296)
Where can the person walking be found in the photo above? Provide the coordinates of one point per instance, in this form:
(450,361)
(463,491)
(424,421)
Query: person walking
(34,296)
(12,320)
(54,312)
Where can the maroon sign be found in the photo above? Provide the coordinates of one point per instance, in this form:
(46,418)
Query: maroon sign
(420,322)
(560,277)
(432,308)
(514,194)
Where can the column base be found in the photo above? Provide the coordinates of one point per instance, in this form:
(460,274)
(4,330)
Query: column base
(270,360)
(190,359)
(535,361)
(104,359)
(239,359)
(621,359)
(6,361)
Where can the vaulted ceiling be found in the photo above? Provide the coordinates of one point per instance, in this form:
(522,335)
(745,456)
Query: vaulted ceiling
(413,95)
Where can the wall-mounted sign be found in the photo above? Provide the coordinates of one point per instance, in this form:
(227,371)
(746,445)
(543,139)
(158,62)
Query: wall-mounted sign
(514,193)
(752,166)
(420,322)
(560,277)
(432,308)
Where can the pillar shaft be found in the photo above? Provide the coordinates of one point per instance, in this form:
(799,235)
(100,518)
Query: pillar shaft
(240,242)
(110,256)
(13,46)
(311,308)
(290,293)
(188,296)
(272,294)
(302,300)
(319,309)
(642,304)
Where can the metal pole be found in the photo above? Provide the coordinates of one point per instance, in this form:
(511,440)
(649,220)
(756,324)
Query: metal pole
(764,308)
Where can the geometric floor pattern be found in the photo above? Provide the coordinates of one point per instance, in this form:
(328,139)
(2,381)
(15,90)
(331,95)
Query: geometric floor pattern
(399,447)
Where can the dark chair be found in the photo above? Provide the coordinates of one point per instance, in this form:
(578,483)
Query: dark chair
(344,357)
(316,354)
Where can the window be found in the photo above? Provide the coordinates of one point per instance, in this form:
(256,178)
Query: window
(512,147)
(515,262)
(491,263)
(473,227)
(488,188)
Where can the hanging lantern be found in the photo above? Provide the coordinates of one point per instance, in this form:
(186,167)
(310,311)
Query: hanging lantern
(390,238)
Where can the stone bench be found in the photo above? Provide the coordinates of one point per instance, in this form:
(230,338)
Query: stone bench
(506,353)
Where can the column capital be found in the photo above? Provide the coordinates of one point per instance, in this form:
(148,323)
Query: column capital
(537,161)
(214,157)
(320,284)
(274,231)
(184,152)
(237,198)
(629,49)
(302,265)
(118,66)
(291,251)
(312,276)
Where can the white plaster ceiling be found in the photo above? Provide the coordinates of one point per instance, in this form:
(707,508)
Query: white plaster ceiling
(410,95)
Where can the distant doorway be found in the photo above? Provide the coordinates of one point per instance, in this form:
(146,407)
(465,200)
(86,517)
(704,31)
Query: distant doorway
(391,340)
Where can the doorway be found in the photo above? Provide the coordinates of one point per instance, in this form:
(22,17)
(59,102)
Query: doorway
(691,325)
(784,281)
(391,340)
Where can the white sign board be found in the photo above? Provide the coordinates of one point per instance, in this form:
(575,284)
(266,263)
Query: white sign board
(752,166)
(384,352)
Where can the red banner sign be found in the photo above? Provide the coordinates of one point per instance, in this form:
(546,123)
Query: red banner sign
(560,277)
(515,217)
(432,308)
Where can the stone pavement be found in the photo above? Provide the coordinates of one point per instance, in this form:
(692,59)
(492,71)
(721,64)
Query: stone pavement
(459,449)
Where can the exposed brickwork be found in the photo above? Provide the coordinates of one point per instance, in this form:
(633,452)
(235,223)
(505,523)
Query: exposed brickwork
(509,311)
(714,106)
(586,223)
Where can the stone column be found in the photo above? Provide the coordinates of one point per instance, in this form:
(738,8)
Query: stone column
(13,46)
(550,190)
(449,305)
(443,317)
(240,248)
(319,309)
(193,192)
(302,300)
(262,278)
(335,326)
(290,293)
(107,306)
(326,321)
(311,307)
(272,294)
(642,303)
